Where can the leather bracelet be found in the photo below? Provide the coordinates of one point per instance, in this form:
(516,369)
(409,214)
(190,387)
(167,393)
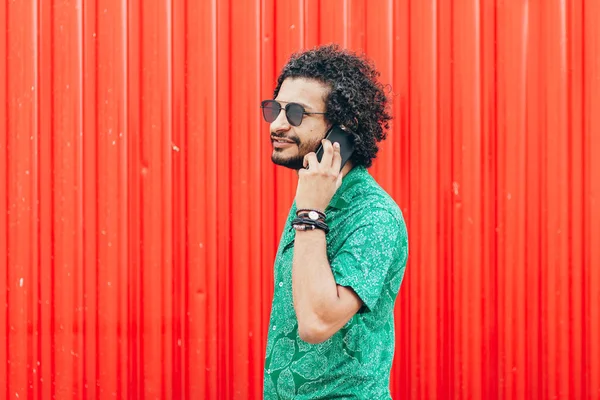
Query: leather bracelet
(314,217)
(304,227)
(305,222)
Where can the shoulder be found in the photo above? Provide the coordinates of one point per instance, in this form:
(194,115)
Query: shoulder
(371,219)
(368,200)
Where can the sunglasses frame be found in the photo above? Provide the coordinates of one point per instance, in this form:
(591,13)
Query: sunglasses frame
(264,103)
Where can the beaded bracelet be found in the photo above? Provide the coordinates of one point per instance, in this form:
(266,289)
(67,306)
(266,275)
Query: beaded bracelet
(306,223)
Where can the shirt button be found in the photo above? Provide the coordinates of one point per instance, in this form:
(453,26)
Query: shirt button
(274,327)
(280,284)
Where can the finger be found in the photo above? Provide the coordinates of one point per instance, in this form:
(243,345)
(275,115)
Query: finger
(327,153)
(311,161)
(337,158)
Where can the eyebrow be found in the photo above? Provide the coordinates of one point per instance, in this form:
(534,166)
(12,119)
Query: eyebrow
(306,107)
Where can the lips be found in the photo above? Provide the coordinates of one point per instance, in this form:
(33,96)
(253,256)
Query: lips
(281,143)
(281,140)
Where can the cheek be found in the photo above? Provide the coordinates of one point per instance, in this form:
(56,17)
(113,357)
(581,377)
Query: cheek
(306,136)
(312,133)
(310,143)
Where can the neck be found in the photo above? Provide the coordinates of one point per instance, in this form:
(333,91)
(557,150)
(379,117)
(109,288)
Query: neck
(347,168)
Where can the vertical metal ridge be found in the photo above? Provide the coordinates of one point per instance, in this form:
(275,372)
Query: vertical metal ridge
(488,29)
(267,181)
(151,196)
(66,149)
(223,71)
(180,215)
(167,146)
(467,163)
(199,198)
(576,167)
(424,89)
(591,24)
(447,187)
(240,261)
(255,345)
(45,358)
(111,206)
(79,209)
(245,229)
(124,330)
(20,183)
(555,181)
(33,298)
(204,306)
(511,191)
(136,173)
(90,194)
(4,216)
(156,134)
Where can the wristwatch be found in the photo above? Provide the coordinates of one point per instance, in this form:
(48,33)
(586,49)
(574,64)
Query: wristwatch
(313,215)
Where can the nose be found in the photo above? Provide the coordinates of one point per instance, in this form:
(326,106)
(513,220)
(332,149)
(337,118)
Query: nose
(281,124)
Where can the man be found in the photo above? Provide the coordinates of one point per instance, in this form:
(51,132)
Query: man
(344,248)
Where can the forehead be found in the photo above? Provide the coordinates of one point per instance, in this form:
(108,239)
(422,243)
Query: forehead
(308,92)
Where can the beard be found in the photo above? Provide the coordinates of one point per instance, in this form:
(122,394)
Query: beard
(294,161)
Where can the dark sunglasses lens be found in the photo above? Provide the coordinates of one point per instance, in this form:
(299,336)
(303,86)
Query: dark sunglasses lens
(271,110)
(294,112)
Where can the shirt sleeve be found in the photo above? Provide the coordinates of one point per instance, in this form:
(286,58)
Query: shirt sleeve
(368,253)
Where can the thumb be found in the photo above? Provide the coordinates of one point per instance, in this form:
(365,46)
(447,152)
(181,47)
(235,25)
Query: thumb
(338,182)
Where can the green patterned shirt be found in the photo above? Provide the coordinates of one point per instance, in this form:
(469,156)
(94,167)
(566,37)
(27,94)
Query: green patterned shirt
(367,248)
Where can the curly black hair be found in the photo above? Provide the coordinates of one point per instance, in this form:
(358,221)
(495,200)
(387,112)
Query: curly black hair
(356,99)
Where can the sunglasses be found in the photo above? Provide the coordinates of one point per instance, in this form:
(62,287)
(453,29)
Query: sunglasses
(294,112)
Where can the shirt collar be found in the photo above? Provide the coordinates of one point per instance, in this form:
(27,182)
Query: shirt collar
(352,177)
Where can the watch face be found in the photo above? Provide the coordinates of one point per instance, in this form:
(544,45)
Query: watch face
(313,215)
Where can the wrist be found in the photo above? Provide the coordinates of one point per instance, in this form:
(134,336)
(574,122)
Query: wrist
(310,233)
(309,220)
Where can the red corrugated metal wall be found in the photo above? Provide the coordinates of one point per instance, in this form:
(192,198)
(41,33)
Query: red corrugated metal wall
(140,211)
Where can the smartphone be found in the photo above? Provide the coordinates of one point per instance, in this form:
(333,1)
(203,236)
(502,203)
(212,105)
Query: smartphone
(345,139)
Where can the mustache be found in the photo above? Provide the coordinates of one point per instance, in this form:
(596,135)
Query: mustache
(294,139)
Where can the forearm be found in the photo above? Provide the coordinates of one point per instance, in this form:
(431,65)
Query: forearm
(322,307)
(314,288)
